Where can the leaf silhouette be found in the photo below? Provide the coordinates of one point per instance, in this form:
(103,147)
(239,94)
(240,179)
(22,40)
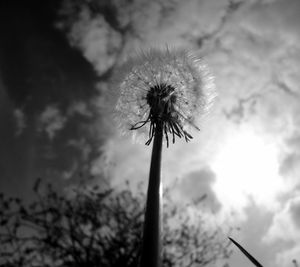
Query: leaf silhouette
(246,253)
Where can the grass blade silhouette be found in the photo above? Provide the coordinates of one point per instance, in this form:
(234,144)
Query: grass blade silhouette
(246,253)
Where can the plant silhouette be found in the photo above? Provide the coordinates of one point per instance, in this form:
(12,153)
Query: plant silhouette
(94,227)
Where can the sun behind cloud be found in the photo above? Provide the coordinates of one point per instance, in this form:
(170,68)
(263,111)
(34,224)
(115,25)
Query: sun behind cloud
(246,167)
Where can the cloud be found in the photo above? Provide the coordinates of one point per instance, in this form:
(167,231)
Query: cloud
(97,39)
(295,213)
(286,224)
(256,63)
(20,120)
(278,16)
(189,20)
(198,184)
(122,160)
(286,257)
(51,121)
(290,169)
(81,145)
(80,108)
(254,59)
(285,230)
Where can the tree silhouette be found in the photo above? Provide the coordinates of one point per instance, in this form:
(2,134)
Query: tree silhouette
(94,227)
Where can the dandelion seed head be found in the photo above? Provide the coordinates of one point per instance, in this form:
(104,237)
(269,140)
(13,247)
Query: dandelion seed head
(168,87)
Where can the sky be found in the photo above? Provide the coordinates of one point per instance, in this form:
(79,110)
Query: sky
(54,72)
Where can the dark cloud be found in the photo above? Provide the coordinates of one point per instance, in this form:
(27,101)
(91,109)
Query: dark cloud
(198,184)
(290,169)
(294,142)
(295,213)
(290,163)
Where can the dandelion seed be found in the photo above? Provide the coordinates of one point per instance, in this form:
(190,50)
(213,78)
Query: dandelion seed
(167,89)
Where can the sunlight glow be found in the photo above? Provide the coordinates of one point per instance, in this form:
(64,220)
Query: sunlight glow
(246,167)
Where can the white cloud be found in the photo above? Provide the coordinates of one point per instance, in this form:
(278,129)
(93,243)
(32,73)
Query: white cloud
(97,39)
(286,222)
(286,257)
(123,160)
(285,230)
(51,121)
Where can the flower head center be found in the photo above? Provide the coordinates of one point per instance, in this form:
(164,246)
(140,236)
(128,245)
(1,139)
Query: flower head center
(161,99)
(163,114)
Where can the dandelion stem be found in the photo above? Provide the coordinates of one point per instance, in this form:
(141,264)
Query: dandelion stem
(152,243)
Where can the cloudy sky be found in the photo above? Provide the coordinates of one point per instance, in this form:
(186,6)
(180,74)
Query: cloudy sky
(54,70)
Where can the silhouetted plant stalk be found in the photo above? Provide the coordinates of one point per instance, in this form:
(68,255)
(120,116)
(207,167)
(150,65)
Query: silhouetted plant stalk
(246,253)
(152,238)
(160,94)
(250,257)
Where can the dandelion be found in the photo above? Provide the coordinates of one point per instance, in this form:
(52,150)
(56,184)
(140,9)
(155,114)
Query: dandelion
(163,89)
(160,93)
